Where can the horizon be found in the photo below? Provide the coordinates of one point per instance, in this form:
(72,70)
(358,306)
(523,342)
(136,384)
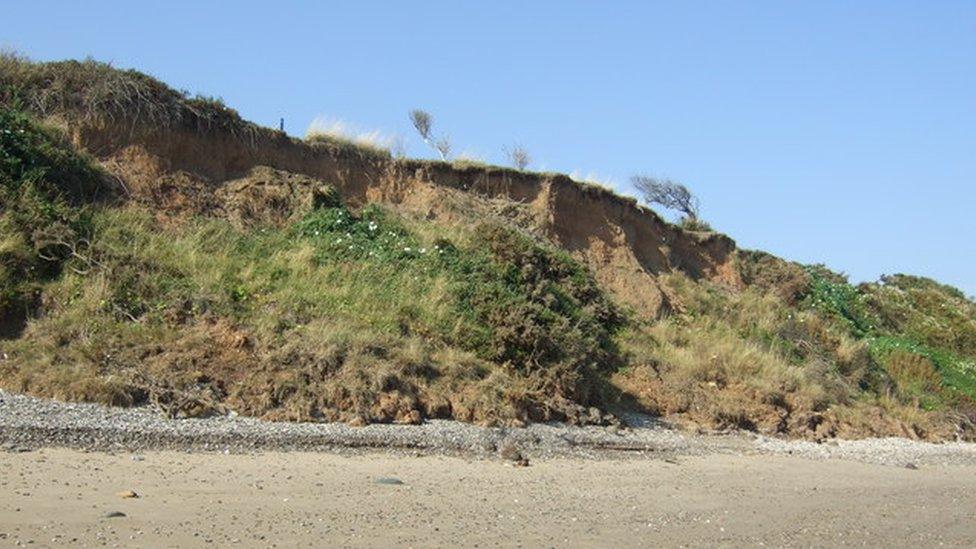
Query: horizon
(856,141)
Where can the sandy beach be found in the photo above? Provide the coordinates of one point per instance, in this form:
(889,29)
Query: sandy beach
(62,497)
(85,475)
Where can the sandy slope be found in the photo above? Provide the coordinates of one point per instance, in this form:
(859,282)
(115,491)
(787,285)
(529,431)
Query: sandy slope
(58,497)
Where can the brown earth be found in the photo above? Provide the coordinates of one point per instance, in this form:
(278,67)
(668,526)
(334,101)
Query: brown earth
(625,245)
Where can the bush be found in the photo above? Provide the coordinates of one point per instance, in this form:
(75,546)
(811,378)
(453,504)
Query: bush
(43,182)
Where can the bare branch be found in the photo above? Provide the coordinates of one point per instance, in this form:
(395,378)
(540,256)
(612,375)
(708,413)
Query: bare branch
(443,146)
(519,157)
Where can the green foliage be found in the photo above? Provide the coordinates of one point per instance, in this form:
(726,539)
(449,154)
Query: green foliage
(834,296)
(958,374)
(41,180)
(515,302)
(695,224)
(906,315)
(535,307)
(32,155)
(529,323)
(930,313)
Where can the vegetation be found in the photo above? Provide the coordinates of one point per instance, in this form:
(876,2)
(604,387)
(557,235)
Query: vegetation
(343,141)
(423,122)
(667,193)
(339,315)
(750,360)
(99,93)
(42,225)
(519,157)
(343,146)
(280,301)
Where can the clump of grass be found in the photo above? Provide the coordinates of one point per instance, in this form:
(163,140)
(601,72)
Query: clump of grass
(98,93)
(695,224)
(790,281)
(342,140)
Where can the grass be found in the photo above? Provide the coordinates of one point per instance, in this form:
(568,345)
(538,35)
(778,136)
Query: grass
(358,292)
(341,315)
(342,140)
(45,189)
(99,93)
(817,367)
(322,312)
(742,359)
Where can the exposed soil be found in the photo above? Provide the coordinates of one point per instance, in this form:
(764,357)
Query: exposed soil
(626,245)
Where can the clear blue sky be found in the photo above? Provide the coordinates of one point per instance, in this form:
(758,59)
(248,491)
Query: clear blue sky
(835,132)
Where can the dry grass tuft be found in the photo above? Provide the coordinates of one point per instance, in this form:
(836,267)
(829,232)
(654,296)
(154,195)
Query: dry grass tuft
(98,93)
(342,136)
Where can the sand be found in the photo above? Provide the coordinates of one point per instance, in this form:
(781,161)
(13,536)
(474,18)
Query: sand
(53,497)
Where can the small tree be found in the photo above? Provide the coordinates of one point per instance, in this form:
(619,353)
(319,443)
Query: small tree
(667,193)
(422,120)
(424,123)
(519,157)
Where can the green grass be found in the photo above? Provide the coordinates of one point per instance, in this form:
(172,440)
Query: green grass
(44,218)
(907,314)
(344,314)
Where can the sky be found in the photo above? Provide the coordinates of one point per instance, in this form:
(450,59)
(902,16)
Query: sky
(830,132)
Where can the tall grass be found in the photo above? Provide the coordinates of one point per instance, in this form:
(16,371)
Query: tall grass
(100,93)
(747,359)
(336,315)
(341,135)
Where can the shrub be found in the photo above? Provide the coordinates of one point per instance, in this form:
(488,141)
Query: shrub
(42,183)
(423,122)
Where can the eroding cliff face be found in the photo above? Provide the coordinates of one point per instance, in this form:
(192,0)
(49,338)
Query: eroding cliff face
(624,244)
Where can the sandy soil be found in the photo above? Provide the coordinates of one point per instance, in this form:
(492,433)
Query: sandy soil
(61,496)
